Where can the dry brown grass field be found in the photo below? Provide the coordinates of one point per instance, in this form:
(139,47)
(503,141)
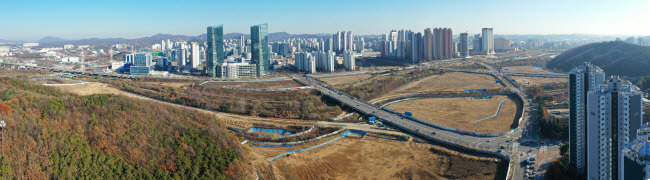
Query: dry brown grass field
(451,81)
(460,113)
(372,158)
(339,80)
(454,81)
(259,84)
(537,81)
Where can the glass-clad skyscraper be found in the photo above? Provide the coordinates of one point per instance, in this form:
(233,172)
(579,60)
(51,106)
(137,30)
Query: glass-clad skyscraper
(142,64)
(260,49)
(214,52)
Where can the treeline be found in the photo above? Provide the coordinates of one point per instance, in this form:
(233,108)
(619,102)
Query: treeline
(55,135)
(546,128)
(533,61)
(302,104)
(380,86)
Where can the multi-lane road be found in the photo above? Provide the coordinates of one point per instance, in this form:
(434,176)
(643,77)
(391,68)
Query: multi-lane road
(508,145)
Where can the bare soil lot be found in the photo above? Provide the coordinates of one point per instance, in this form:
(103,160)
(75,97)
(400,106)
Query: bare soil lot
(339,80)
(537,81)
(460,113)
(372,158)
(259,84)
(526,69)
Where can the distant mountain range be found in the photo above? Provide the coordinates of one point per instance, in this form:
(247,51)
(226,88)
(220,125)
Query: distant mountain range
(146,41)
(11,41)
(614,57)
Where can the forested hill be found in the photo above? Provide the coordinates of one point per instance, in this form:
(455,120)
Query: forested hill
(54,135)
(614,57)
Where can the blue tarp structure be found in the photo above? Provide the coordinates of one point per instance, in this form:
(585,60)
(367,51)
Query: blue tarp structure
(472,90)
(362,133)
(276,131)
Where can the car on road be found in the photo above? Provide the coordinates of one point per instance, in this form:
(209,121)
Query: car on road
(488,140)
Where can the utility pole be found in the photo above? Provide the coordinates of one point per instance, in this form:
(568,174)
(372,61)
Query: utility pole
(3,125)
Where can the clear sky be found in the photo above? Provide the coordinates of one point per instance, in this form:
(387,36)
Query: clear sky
(32,20)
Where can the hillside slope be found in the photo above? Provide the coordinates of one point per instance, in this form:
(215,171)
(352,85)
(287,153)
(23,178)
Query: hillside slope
(616,58)
(54,135)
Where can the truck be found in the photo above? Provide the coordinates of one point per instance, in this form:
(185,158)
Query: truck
(371,120)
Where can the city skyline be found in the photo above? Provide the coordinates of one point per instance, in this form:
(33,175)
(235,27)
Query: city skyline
(32,20)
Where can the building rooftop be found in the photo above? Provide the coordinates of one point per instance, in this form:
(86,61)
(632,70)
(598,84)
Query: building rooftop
(639,148)
(588,67)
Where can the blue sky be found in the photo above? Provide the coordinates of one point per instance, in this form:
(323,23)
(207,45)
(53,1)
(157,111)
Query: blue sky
(75,19)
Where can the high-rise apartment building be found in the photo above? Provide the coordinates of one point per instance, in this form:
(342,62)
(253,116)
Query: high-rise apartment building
(304,61)
(348,60)
(260,49)
(614,114)
(447,43)
(195,56)
(242,44)
(325,60)
(487,43)
(501,44)
(416,43)
(214,51)
(428,44)
(581,80)
(349,41)
(477,42)
(463,46)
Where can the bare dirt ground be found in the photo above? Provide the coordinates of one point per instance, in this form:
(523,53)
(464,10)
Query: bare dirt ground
(339,80)
(92,88)
(537,81)
(526,69)
(460,113)
(261,84)
(172,84)
(372,158)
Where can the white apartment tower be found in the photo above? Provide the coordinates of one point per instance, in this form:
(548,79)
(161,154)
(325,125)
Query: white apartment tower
(196,55)
(348,60)
(614,114)
(487,44)
(305,62)
(325,60)
(581,80)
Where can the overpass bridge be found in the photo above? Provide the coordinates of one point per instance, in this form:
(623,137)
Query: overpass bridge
(479,144)
(536,75)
